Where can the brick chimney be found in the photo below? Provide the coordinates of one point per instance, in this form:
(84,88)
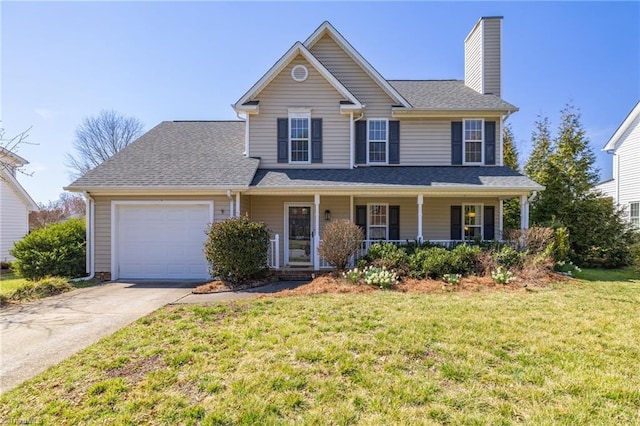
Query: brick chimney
(482,56)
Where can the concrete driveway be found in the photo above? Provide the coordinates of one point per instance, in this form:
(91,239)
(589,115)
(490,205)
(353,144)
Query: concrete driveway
(39,334)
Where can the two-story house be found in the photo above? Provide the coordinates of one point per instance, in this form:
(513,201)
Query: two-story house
(624,186)
(323,137)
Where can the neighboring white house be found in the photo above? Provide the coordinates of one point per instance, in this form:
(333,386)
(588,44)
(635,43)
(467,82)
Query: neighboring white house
(624,186)
(15,204)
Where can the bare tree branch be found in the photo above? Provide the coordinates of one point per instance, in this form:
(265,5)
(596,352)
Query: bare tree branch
(64,208)
(100,137)
(9,148)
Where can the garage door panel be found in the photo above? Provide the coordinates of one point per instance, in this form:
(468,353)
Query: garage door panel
(162,241)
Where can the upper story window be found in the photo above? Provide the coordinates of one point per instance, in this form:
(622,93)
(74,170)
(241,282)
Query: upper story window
(472,221)
(299,143)
(634,214)
(473,141)
(377,141)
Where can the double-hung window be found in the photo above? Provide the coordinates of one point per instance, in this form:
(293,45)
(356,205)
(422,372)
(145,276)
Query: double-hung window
(299,138)
(378,221)
(472,216)
(472,143)
(377,141)
(634,214)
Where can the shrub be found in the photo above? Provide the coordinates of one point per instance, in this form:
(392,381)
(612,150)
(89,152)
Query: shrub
(58,249)
(465,258)
(45,287)
(236,249)
(340,240)
(534,240)
(562,248)
(380,277)
(389,256)
(509,258)
(431,262)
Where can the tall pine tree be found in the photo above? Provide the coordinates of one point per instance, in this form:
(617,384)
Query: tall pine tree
(511,207)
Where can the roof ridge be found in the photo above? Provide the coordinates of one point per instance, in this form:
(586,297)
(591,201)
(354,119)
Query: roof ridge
(424,79)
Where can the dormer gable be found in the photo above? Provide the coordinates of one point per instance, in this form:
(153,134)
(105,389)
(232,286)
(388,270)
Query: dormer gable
(249,103)
(326,30)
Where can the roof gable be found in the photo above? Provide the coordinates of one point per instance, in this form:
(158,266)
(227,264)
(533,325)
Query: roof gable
(327,29)
(617,138)
(295,50)
(12,182)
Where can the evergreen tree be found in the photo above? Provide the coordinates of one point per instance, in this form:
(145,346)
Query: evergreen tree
(511,207)
(537,165)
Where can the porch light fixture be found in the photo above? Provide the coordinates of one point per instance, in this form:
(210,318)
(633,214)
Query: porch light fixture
(327,215)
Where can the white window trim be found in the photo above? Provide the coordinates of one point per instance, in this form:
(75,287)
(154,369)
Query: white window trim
(115,214)
(631,217)
(306,115)
(481,213)
(386,144)
(286,230)
(386,234)
(464,144)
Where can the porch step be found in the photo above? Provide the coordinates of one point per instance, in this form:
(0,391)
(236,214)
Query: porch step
(296,274)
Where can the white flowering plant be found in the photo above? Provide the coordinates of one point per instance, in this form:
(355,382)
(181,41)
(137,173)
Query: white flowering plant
(566,268)
(502,276)
(452,279)
(380,277)
(352,276)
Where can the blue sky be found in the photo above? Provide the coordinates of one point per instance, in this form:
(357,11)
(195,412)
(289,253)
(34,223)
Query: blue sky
(174,61)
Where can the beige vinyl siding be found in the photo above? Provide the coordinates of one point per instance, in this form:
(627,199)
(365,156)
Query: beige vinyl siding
(103,220)
(473,59)
(356,80)
(425,142)
(316,93)
(492,60)
(14,219)
(436,215)
(245,205)
(629,154)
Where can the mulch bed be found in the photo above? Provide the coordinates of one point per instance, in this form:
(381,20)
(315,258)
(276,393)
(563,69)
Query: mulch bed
(221,286)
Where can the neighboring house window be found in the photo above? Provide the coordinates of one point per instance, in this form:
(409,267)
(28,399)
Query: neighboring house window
(299,146)
(472,144)
(472,216)
(377,140)
(378,221)
(634,214)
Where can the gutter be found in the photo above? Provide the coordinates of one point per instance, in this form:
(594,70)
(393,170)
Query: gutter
(90,235)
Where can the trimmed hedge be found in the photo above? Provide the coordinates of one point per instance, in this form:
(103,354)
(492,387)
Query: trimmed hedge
(56,250)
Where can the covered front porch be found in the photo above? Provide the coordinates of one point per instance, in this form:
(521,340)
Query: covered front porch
(297,222)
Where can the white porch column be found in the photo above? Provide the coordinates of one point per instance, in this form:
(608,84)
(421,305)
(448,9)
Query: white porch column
(237,204)
(316,232)
(231,214)
(420,202)
(351,208)
(524,212)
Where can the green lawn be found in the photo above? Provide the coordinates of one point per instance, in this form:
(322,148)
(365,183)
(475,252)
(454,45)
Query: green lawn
(9,282)
(566,354)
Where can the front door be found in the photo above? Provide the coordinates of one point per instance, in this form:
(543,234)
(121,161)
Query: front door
(299,239)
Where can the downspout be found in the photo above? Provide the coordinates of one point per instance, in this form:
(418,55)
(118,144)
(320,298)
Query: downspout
(90,236)
(231,203)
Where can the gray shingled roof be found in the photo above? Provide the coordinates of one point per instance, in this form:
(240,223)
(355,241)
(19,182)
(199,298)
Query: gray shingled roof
(447,95)
(178,154)
(484,178)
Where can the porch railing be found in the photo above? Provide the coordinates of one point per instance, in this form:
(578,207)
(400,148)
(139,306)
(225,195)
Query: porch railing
(273,254)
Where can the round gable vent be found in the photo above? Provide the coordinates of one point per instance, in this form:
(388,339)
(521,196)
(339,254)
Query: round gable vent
(299,73)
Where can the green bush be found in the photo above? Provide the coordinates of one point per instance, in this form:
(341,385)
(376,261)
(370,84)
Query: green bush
(465,259)
(431,262)
(389,256)
(562,247)
(58,249)
(236,249)
(509,258)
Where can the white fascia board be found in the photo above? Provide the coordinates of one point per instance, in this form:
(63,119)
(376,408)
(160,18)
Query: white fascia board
(614,142)
(398,190)
(327,28)
(401,112)
(15,158)
(32,206)
(297,48)
(157,190)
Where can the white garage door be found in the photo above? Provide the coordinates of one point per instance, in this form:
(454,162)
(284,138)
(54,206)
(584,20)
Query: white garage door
(162,241)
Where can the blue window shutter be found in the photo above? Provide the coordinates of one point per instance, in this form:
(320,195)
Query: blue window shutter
(456,223)
(361,142)
(316,140)
(394,142)
(394,222)
(490,142)
(283,140)
(361,219)
(456,142)
(489,223)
